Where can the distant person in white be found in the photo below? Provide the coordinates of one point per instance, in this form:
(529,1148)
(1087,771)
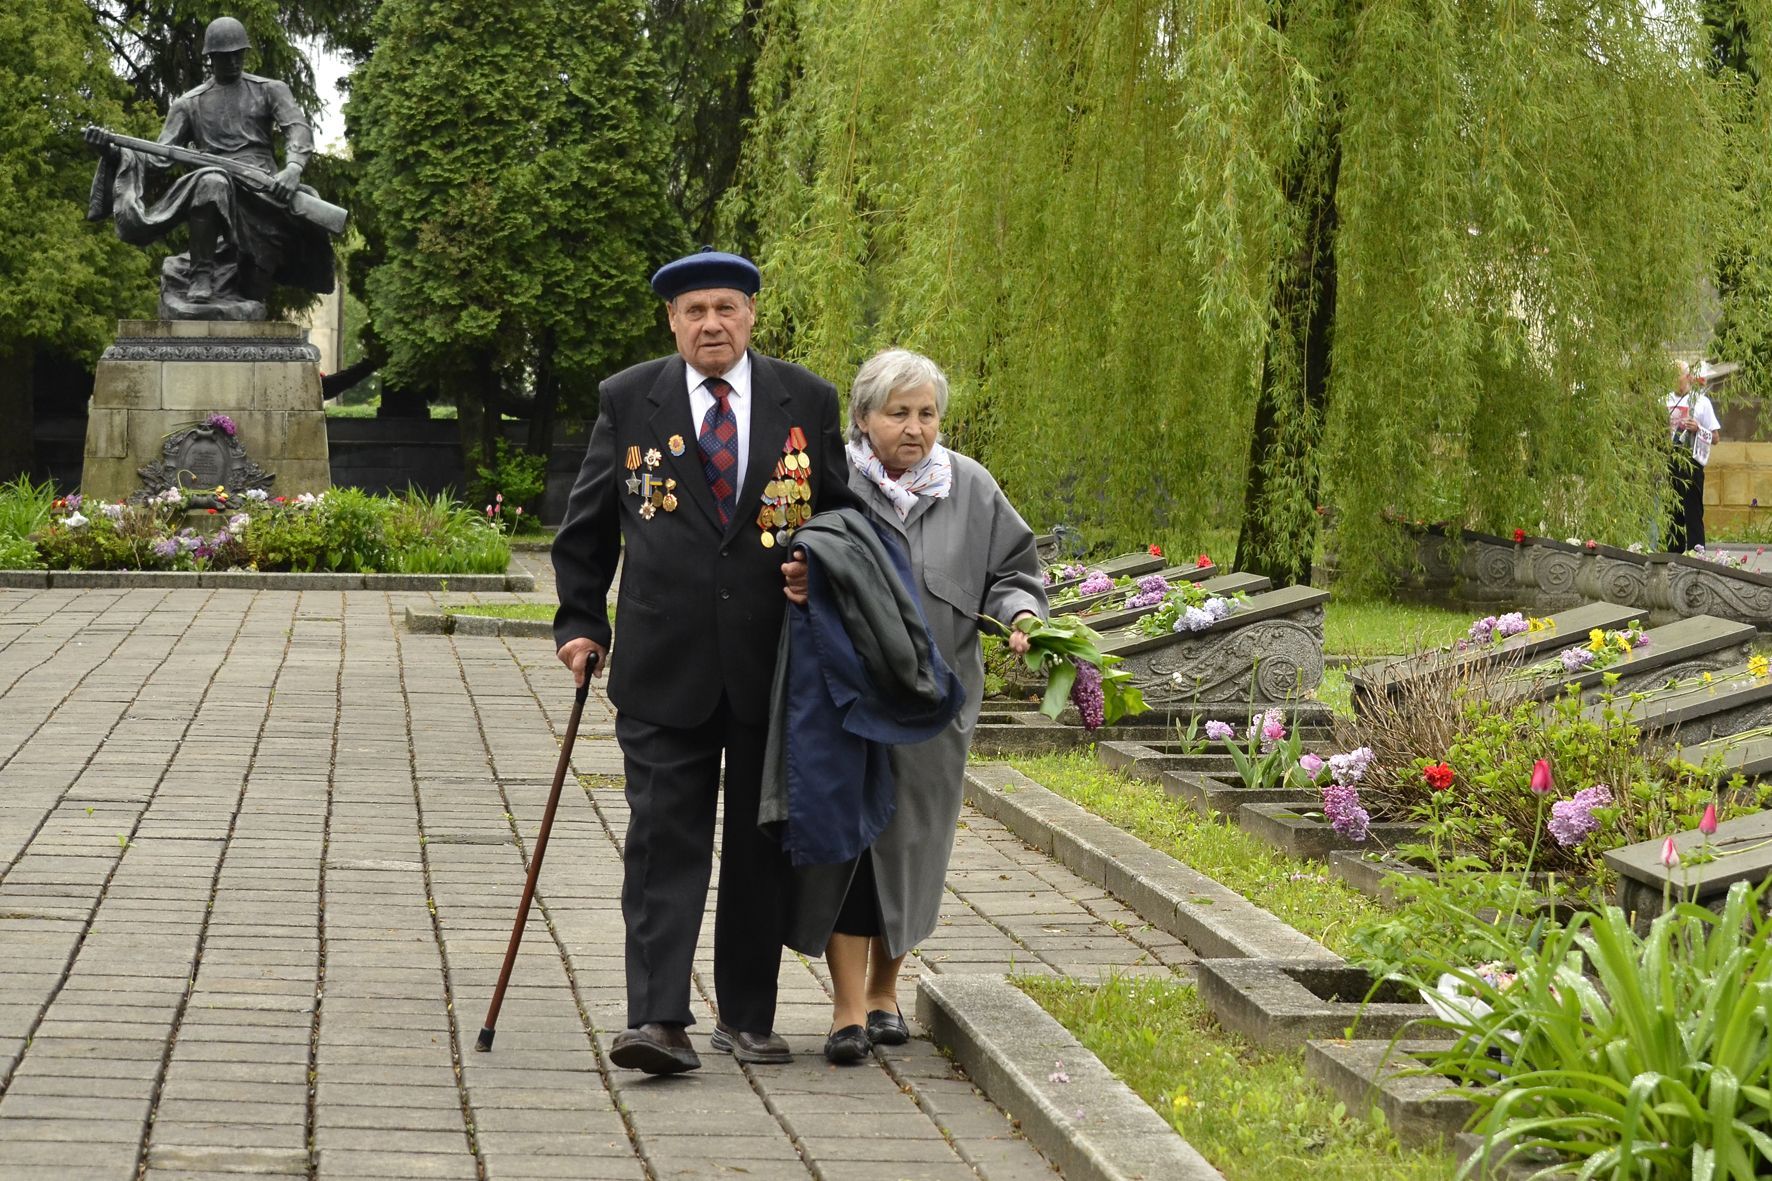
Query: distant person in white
(1693,423)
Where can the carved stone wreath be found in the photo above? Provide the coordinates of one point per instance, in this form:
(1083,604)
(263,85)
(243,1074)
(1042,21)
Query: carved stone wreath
(1272,660)
(197,461)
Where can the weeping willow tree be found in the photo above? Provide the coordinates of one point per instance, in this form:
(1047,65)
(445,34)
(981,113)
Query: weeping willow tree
(1221,263)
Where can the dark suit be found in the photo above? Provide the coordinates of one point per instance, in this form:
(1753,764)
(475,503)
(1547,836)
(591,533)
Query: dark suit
(701,611)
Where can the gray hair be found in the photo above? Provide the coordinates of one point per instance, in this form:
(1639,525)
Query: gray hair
(884,374)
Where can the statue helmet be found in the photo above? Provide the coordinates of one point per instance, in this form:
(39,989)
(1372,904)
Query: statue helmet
(225,35)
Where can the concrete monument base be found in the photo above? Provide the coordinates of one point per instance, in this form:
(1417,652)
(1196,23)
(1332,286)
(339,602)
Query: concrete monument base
(164,376)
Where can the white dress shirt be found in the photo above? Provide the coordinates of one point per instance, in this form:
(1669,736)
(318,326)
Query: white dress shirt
(701,401)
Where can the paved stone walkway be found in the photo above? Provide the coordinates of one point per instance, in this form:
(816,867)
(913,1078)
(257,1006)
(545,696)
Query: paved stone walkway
(259,857)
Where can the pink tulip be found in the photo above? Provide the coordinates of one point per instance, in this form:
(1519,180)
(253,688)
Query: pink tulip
(1670,856)
(1541,776)
(1707,824)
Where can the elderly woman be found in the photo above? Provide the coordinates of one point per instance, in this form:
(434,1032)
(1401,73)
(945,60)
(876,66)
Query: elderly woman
(971,555)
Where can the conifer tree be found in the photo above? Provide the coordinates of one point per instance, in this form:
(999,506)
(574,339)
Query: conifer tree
(64,283)
(511,157)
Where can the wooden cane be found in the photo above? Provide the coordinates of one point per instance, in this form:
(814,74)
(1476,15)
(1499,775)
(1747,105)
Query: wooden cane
(487,1031)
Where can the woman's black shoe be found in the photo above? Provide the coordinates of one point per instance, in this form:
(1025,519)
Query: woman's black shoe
(847,1046)
(887,1029)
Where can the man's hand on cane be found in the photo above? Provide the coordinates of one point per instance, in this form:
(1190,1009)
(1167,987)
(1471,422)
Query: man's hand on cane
(574,654)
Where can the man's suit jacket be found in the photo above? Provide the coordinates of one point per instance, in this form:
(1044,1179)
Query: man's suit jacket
(700,610)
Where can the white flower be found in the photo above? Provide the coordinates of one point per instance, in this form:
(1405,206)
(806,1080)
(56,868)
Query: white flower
(1217,607)
(307,498)
(1572,540)
(113,511)
(74,521)
(238,522)
(257,494)
(170,496)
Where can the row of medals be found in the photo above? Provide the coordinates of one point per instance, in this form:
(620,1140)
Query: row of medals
(654,493)
(787,498)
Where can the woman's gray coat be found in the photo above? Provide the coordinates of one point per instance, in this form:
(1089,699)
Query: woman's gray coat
(970,553)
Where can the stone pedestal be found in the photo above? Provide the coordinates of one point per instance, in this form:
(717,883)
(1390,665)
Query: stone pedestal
(162,376)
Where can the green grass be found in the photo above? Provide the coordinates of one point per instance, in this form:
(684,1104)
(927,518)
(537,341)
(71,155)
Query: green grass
(1375,627)
(1297,892)
(1252,1113)
(544,611)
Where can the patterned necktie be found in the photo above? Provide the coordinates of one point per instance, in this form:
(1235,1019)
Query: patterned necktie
(718,442)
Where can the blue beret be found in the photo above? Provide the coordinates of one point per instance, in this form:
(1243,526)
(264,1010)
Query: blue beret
(704,269)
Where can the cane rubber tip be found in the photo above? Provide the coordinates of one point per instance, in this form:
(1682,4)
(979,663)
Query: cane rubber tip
(485,1042)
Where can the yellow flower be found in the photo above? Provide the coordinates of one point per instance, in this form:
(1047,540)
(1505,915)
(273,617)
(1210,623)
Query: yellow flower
(1758,666)
(1706,678)
(1623,641)
(1596,640)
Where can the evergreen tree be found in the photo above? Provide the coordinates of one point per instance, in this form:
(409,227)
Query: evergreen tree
(1201,264)
(63,282)
(511,159)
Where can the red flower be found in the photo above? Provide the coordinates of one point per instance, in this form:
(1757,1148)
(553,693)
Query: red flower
(1439,776)
(211,512)
(1156,550)
(1541,776)
(1519,536)
(1204,560)
(1592,544)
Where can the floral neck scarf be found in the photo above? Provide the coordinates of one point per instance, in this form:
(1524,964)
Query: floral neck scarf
(934,477)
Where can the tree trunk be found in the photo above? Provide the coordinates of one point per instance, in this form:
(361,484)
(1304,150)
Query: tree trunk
(1280,524)
(17,452)
(470,389)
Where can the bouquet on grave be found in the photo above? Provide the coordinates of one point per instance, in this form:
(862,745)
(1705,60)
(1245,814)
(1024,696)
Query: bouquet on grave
(1069,652)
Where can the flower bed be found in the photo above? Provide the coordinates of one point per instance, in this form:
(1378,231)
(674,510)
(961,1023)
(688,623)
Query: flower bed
(342,531)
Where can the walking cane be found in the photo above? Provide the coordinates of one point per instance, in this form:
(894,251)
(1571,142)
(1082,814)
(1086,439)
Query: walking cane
(487,1031)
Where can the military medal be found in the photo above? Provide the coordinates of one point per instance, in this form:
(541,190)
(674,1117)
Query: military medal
(653,458)
(668,501)
(646,510)
(675,443)
(632,464)
(787,496)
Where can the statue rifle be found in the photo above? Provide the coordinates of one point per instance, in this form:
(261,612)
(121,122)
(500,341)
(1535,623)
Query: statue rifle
(306,206)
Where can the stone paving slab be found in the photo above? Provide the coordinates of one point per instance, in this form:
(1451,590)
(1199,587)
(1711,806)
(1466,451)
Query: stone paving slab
(261,851)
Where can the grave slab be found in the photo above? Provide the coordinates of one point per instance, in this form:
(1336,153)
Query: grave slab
(1380,1074)
(1732,701)
(1740,851)
(1281,1004)
(1566,628)
(1269,651)
(1683,648)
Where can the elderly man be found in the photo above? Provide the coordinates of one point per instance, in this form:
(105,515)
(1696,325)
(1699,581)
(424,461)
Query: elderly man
(700,464)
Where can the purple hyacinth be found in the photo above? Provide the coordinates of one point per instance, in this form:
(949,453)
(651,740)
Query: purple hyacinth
(1096,584)
(1348,768)
(1086,695)
(1220,731)
(1576,659)
(1511,624)
(1341,807)
(1572,821)
(222,423)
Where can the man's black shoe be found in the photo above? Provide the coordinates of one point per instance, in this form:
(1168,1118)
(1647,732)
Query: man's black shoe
(759,1049)
(887,1029)
(655,1048)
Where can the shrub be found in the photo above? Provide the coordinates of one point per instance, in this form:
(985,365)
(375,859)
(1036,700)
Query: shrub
(434,535)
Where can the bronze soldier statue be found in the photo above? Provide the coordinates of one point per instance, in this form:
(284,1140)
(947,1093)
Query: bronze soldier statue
(250,222)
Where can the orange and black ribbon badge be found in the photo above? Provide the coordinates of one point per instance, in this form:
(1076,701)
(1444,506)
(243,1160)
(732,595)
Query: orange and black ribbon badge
(632,463)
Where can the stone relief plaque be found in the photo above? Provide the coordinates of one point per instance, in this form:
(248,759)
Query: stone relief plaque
(197,461)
